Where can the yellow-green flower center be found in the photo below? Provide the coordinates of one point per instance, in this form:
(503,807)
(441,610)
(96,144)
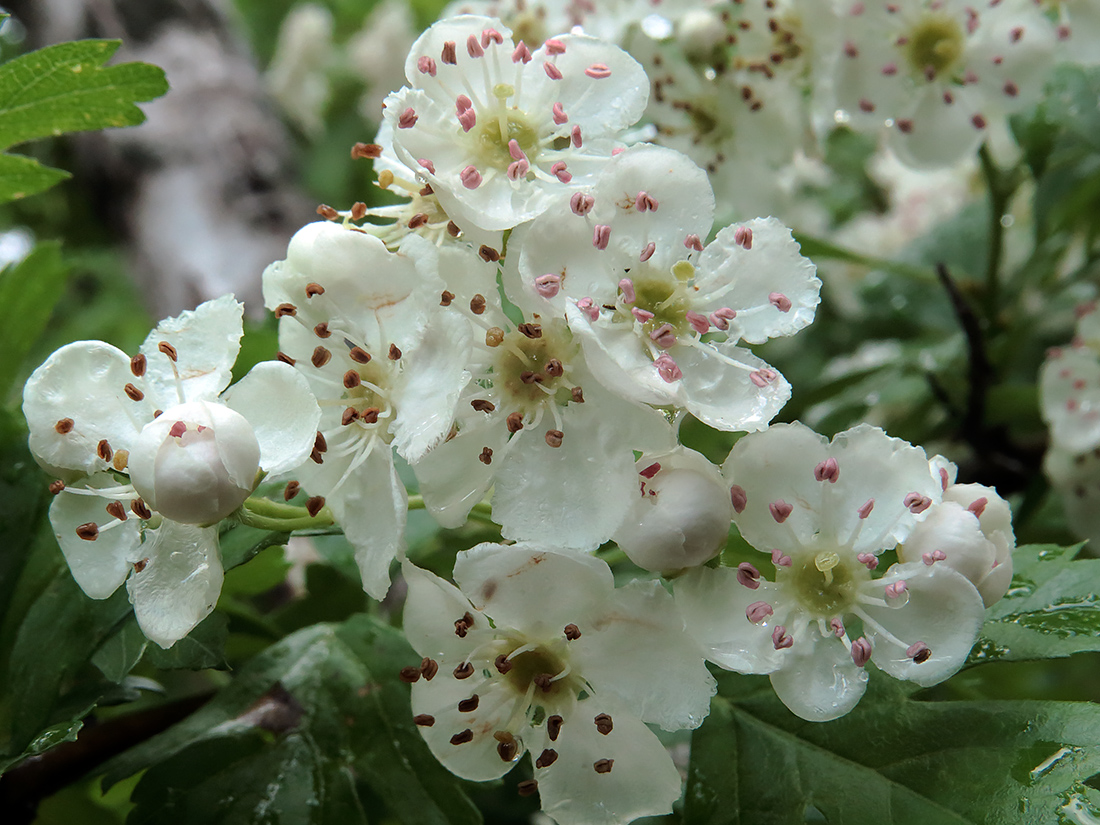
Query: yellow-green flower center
(496,128)
(935,43)
(826,584)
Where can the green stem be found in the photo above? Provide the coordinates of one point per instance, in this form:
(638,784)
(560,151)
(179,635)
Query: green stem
(1000,191)
(482,511)
(815,247)
(282,518)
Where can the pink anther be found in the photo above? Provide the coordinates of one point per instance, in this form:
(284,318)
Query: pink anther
(467,119)
(945,478)
(560,116)
(407,119)
(698,322)
(758,611)
(890,69)
(598,71)
(933,557)
(626,286)
(601,235)
(491,36)
(558,170)
(861,651)
(642,315)
(552,71)
(779,559)
(470,177)
(515,151)
(589,308)
(781,639)
(827,470)
(644,202)
(647,253)
(548,285)
(554,46)
(581,204)
(780,301)
(866,508)
(518,169)
(178,429)
(651,470)
(521,53)
(721,318)
(664,336)
(917,652)
(896,590)
(837,625)
(449,53)
(692,242)
(426,65)
(780,510)
(977,506)
(575,136)
(762,377)
(473,48)
(868,560)
(917,503)
(667,368)
(742,236)
(427,164)
(738,498)
(748,575)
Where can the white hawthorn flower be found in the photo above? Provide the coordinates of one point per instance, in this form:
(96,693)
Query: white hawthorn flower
(298,74)
(537,652)
(1069,397)
(936,73)
(660,316)
(680,516)
(386,365)
(825,511)
(1078,29)
(156,454)
(495,129)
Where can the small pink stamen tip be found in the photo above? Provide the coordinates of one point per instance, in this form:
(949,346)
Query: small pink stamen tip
(598,71)
(645,202)
(554,46)
(618,150)
(575,136)
(473,48)
(581,204)
(560,116)
(915,650)
(518,169)
(721,318)
(780,510)
(548,285)
(692,242)
(522,53)
(762,377)
(945,478)
(738,498)
(449,53)
(427,164)
(642,315)
(559,171)
(667,368)
(664,336)
(837,625)
(647,253)
(933,557)
(1079,384)
(781,639)
(515,151)
(861,651)
(895,590)
(552,71)
(748,576)
(426,65)
(467,119)
(407,119)
(626,286)
(758,611)
(178,429)
(651,470)
(977,506)
(890,69)
(698,322)
(827,470)
(601,235)
(780,560)
(491,36)
(742,236)
(1071,404)
(866,508)
(470,177)
(917,503)
(780,301)
(589,308)
(868,560)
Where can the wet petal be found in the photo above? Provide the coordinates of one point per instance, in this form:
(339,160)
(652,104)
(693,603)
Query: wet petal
(818,680)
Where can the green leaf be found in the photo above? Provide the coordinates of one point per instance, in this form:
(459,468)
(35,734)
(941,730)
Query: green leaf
(66,88)
(118,655)
(28,293)
(1051,610)
(240,544)
(891,760)
(203,647)
(326,698)
(21,177)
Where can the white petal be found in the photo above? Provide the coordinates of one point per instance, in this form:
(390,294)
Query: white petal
(954,531)
(944,611)
(180,583)
(724,395)
(642,781)
(84,382)
(98,566)
(432,606)
(664,681)
(1077,477)
(452,479)
(819,681)
(206,340)
(942,134)
(276,400)
(1069,392)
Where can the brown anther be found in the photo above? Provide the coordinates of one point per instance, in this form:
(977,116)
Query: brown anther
(502,663)
(603,765)
(168,350)
(159,413)
(321,330)
(316,457)
(529,377)
(394,353)
(409,674)
(385,179)
(140,565)
(137,365)
(572,632)
(370,415)
(462,737)
(121,459)
(352,379)
(428,668)
(452,229)
(425,190)
(923,656)
(56,486)
(547,758)
(133,392)
(319,443)
(464,671)
(486,456)
(481,405)
(553,727)
(514,422)
(506,748)
(446,298)
(88,531)
(494,337)
(527,787)
(314,289)
(531,330)
(604,724)
(477,304)
(286,309)
(424,720)
(469,705)
(488,254)
(140,509)
(369,151)
(463,625)
(103,450)
(116,509)
(320,357)
(349,416)
(291,490)
(314,505)
(544,681)
(65,425)
(359,355)
(417,220)
(554,437)
(578,395)
(328,213)
(286,359)
(358,211)
(178,429)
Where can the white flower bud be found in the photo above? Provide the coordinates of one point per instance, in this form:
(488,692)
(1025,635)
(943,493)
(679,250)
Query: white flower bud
(195,463)
(699,33)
